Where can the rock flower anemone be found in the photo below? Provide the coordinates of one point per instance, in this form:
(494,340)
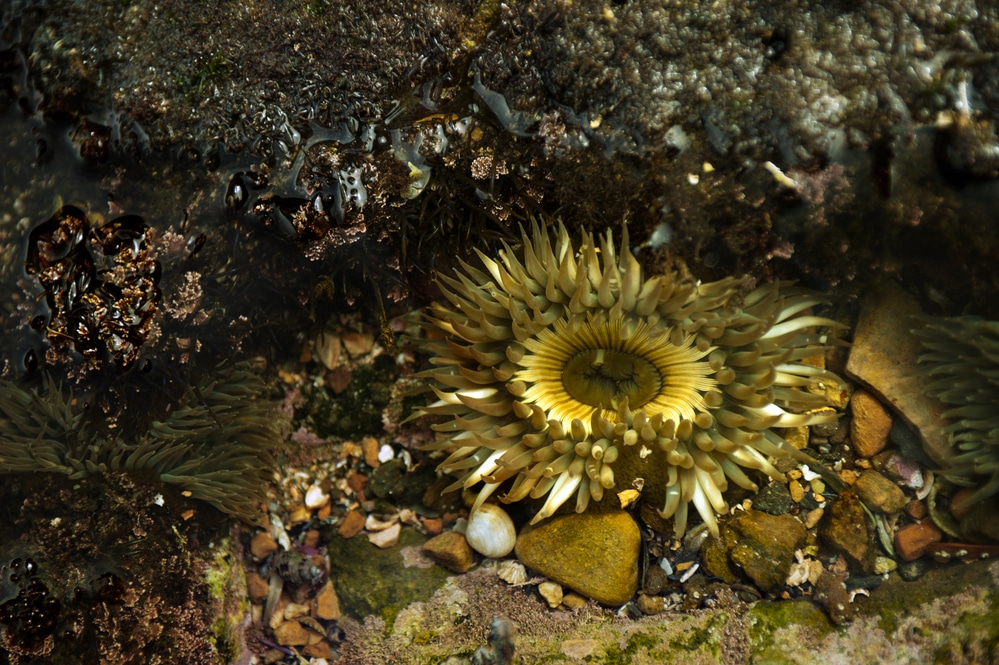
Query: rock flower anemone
(962,358)
(565,373)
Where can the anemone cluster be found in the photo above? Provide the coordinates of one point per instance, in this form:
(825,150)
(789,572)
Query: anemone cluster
(216,443)
(961,357)
(562,373)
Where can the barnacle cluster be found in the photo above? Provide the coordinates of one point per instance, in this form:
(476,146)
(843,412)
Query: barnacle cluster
(215,443)
(566,373)
(961,357)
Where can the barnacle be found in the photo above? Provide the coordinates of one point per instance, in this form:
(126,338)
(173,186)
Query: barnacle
(962,358)
(216,443)
(568,373)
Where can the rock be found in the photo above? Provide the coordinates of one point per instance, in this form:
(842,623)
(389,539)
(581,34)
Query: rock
(595,554)
(451,550)
(256,588)
(650,604)
(845,527)
(490,531)
(979,523)
(916,509)
(352,524)
(326,605)
(551,592)
(291,633)
(884,357)
(573,601)
(879,493)
(796,491)
(870,425)
(315,497)
(774,499)
(386,537)
(318,653)
(656,580)
(760,546)
(831,594)
(912,540)
(262,546)
(357,344)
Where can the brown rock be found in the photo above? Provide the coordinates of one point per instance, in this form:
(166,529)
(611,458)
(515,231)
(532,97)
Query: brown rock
(595,554)
(884,357)
(916,509)
(912,540)
(291,633)
(358,344)
(352,524)
(762,546)
(257,588)
(845,527)
(830,593)
(320,649)
(870,425)
(432,525)
(262,546)
(879,493)
(650,604)
(371,448)
(326,605)
(311,539)
(450,550)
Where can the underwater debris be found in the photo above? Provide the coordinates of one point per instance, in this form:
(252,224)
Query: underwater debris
(565,372)
(216,443)
(962,358)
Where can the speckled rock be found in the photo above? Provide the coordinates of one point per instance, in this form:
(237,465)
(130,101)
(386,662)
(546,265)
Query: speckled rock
(883,357)
(830,593)
(595,554)
(757,545)
(451,550)
(879,493)
(845,527)
(870,425)
(775,499)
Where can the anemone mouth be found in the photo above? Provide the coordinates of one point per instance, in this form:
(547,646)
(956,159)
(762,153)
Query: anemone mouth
(587,370)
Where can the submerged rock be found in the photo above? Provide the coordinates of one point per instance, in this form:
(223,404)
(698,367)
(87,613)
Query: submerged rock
(758,545)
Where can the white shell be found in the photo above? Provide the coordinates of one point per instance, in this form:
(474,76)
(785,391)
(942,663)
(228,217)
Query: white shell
(490,531)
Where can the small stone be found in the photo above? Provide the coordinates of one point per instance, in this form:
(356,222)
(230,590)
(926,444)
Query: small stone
(958,506)
(916,509)
(450,550)
(294,610)
(912,540)
(573,601)
(594,554)
(318,653)
(551,592)
(299,514)
(291,633)
(812,517)
(884,564)
(879,493)
(315,497)
(262,546)
(797,437)
(352,524)
(326,605)
(370,446)
(762,546)
(650,604)
(387,537)
(845,527)
(831,594)
(326,348)
(774,499)
(870,426)
(358,344)
(311,539)
(432,525)
(256,588)
(656,580)
(796,491)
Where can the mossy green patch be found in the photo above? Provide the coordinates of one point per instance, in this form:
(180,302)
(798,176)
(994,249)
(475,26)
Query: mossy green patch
(767,617)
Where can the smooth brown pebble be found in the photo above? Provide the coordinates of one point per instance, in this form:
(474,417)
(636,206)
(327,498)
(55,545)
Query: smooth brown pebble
(326,605)
(262,546)
(256,588)
(352,524)
(450,550)
(870,425)
(916,509)
(291,633)
(912,540)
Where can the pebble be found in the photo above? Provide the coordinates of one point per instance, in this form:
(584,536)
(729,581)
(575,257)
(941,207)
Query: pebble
(326,605)
(352,524)
(386,537)
(315,497)
(450,550)
(912,540)
(757,545)
(774,499)
(870,425)
(256,588)
(490,531)
(796,490)
(371,447)
(262,546)
(594,554)
(845,528)
(551,592)
(884,357)
(650,605)
(358,344)
(879,493)
(812,517)
(831,594)
(916,509)
(291,633)
(573,601)
(295,610)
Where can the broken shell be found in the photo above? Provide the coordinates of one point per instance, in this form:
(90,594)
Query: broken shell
(315,497)
(511,572)
(490,531)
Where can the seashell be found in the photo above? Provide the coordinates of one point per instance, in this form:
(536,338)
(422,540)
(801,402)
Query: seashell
(490,531)
(512,572)
(315,497)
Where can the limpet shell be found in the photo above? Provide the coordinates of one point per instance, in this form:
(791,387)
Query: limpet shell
(490,531)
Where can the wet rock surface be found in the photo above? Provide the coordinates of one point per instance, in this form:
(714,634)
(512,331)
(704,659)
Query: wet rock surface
(757,545)
(594,554)
(846,528)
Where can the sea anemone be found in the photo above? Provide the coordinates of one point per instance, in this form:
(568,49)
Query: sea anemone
(962,357)
(570,373)
(215,443)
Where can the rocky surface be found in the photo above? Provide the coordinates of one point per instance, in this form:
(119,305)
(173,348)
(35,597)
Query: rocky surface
(756,545)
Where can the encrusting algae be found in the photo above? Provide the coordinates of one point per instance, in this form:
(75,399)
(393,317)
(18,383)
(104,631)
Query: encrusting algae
(569,373)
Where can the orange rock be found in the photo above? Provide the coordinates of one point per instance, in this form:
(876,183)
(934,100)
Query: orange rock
(912,540)
(318,650)
(450,550)
(311,539)
(352,524)
(358,344)
(263,545)
(370,446)
(291,633)
(433,525)
(326,605)
(870,426)
(256,588)
(916,509)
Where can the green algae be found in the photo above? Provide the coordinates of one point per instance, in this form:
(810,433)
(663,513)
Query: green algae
(767,617)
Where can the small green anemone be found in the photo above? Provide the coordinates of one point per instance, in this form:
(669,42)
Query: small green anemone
(564,373)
